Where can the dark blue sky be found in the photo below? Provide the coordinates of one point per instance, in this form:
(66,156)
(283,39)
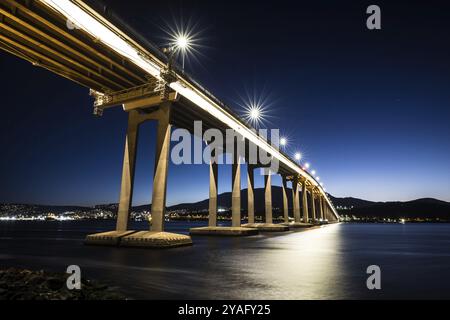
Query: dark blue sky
(370,110)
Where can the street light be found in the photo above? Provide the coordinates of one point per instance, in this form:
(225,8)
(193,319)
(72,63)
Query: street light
(283,141)
(181,43)
(254,113)
(297,156)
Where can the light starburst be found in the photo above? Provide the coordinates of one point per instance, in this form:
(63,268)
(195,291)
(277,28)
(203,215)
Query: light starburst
(255,108)
(184,38)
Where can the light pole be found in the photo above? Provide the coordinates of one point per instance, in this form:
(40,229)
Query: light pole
(181,44)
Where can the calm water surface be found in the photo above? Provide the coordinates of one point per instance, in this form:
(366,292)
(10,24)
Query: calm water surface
(324,263)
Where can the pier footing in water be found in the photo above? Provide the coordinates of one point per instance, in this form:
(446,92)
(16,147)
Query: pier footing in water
(223,231)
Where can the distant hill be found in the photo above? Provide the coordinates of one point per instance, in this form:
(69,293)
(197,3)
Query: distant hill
(420,208)
(350,202)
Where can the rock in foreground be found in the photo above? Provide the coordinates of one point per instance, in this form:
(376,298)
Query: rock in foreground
(19,284)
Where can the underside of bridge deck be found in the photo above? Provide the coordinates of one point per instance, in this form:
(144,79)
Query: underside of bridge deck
(37,31)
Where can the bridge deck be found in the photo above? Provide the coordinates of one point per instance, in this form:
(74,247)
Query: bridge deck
(33,31)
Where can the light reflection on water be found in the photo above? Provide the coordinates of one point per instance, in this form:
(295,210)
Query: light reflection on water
(292,266)
(323,263)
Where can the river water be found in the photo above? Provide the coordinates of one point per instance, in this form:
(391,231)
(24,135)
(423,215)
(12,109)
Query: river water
(324,263)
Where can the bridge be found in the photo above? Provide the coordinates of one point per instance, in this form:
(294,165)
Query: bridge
(94,48)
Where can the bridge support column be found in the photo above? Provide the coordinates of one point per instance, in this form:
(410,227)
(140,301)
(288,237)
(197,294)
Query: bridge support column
(156,237)
(160,176)
(268,196)
(128,169)
(213,186)
(297,223)
(305,203)
(250,194)
(285,200)
(236,191)
(268,224)
(235,229)
(112,238)
(296,200)
(313,207)
(322,215)
(325,208)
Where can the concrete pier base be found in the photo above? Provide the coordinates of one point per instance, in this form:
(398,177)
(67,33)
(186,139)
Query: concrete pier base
(267,227)
(223,231)
(298,225)
(155,239)
(109,238)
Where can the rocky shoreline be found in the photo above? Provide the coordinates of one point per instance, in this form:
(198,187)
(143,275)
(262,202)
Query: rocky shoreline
(22,284)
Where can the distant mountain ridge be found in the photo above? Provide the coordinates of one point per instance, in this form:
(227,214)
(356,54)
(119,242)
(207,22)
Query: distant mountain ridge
(419,208)
(351,202)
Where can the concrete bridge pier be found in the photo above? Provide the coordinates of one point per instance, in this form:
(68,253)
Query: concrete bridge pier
(268,198)
(112,238)
(268,224)
(213,192)
(250,194)
(313,207)
(321,213)
(323,208)
(236,191)
(285,199)
(236,229)
(156,237)
(129,162)
(297,223)
(305,211)
(295,198)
